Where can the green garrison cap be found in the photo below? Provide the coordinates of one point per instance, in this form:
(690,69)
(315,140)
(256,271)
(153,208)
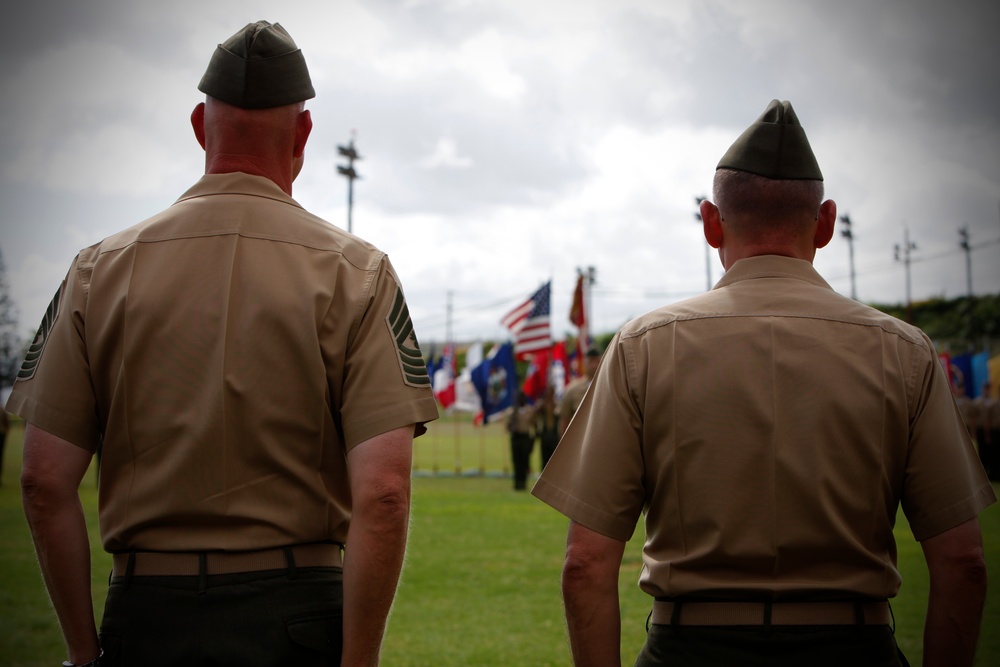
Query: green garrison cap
(775,146)
(258,68)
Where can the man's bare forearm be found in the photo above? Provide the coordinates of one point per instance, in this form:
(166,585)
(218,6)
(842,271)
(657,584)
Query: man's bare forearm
(376,542)
(590,595)
(372,565)
(954,615)
(50,477)
(958,582)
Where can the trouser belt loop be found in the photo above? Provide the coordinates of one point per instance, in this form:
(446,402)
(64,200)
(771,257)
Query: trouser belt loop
(859,613)
(290,560)
(675,615)
(768,609)
(129,569)
(202,572)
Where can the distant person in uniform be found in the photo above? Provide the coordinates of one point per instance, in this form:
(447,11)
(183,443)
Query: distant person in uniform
(573,395)
(547,424)
(520,426)
(768,430)
(252,374)
(987,410)
(966,407)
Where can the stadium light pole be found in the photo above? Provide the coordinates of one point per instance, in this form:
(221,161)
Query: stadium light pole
(708,248)
(964,245)
(848,234)
(348,171)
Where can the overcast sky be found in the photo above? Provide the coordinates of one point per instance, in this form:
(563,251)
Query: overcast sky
(508,142)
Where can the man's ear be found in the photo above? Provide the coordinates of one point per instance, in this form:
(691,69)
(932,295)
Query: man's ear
(825,222)
(711,221)
(198,123)
(303,126)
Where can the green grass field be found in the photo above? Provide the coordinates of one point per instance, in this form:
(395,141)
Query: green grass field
(481,581)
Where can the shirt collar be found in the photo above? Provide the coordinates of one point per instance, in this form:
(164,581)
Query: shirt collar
(238,183)
(772,266)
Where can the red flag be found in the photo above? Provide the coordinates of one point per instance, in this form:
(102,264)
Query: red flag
(576,312)
(537,376)
(444,378)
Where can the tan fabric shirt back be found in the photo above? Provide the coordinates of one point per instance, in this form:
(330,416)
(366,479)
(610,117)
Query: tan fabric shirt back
(229,351)
(572,398)
(769,429)
(522,420)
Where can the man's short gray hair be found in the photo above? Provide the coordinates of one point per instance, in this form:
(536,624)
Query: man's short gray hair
(743,197)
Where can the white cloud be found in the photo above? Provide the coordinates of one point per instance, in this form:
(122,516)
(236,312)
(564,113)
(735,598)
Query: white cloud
(486,58)
(446,155)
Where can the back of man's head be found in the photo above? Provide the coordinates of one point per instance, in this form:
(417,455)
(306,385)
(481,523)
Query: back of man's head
(769,176)
(746,199)
(254,120)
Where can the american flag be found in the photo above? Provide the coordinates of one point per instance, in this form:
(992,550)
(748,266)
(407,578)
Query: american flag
(529,322)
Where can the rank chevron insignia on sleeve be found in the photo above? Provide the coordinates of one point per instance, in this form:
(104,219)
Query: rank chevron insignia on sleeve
(34,353)
(411,361)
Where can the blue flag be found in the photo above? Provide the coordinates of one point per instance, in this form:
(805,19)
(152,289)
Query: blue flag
(432,366)
(496,380)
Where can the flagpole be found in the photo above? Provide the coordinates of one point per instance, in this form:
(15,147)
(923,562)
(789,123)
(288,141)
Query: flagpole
(454,380)
(458,452)
(482,450)
(590,279)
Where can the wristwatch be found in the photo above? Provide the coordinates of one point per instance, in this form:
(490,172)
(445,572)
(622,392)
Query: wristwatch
(96,662)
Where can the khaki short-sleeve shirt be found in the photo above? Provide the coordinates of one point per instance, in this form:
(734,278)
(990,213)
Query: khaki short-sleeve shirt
(226,354)
(572,398)
(769,430)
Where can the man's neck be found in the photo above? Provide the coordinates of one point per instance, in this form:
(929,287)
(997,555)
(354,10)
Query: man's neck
(248,164)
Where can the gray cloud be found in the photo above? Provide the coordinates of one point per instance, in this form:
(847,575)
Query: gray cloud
(577,134)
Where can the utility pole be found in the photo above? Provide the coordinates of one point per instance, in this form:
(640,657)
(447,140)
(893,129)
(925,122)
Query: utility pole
(708,248)
(848,234)
(903,254)
(351,154)
(964,245)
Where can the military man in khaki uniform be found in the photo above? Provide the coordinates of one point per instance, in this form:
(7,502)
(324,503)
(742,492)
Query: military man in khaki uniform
(520,426)
(987,430)
(574,393)
(768,430)
(252,377)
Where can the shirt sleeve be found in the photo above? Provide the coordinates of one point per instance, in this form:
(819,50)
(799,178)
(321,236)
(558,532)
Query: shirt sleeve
(385,382)
(53,390)
(596,475)
(944,484)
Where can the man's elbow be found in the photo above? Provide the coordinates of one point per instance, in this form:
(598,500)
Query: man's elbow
(388,502)
(969,570)
(39,494)
(961,573)
(577,574)
(583,571)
